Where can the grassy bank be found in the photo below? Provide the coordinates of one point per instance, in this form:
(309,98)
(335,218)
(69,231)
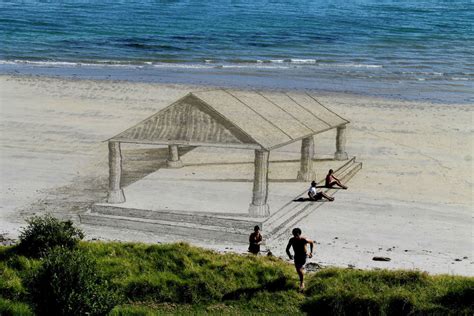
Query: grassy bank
(181,279)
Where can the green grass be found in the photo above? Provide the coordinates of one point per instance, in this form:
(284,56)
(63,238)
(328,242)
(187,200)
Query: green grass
(181,279)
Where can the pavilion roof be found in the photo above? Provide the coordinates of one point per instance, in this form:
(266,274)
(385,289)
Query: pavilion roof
(238,119)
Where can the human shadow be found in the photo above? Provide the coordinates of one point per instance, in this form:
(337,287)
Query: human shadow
(302,199)
(279,284)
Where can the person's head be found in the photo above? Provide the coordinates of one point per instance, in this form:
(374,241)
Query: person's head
(296,232)
(313,183)
(256,229)
(331,171)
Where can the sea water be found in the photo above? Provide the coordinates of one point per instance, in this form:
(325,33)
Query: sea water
(420,49)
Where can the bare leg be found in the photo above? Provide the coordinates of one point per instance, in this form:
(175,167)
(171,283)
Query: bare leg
(300,272)
(338,183)
(330,198)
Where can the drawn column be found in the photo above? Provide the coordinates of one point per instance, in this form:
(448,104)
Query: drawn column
(173,158)
(340,153)
(115,173)
(259,206)
(306,172)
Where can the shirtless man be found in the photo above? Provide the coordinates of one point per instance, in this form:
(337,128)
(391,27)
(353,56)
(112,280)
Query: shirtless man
(299,248)
(314,195)
(331,180)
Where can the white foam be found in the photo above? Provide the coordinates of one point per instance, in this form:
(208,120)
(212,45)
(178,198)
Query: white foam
(183,66)
(303,61)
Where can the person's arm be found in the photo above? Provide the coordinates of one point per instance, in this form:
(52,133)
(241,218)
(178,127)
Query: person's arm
(251,239)
(288,249)
(311,244)
(259,239)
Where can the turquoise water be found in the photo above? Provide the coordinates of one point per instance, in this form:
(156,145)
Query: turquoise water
(423,49)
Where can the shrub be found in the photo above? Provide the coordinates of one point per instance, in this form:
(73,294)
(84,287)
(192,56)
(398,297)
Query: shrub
(46,232)
(10,283)
(8,308)
(68,283)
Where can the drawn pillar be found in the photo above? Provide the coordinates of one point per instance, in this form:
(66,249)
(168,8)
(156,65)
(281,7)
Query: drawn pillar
(306,172)
(340,153)
(115,173)
(173,158)
(259,206)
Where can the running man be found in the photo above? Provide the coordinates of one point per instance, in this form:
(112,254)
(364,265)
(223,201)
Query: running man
(331,181)
(299,248)
(314,195)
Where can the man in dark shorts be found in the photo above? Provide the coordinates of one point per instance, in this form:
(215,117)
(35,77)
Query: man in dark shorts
(255,239)
(299,248)
(314,195)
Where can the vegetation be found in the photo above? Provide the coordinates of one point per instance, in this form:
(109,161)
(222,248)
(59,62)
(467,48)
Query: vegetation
(46,232)
(69,283)
(136,279)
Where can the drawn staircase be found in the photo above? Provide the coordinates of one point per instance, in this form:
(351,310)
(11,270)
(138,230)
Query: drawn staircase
(282,221)
(230,228)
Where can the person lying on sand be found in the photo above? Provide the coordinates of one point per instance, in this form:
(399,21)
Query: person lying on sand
(314,195)
(331,180)
(299,248)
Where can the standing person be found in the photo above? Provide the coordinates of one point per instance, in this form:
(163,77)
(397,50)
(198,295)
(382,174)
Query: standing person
(255,240)
(331,180)
(314,195)
(299,248)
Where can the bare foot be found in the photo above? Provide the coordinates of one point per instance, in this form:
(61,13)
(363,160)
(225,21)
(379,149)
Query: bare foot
(331,199)
(301,287)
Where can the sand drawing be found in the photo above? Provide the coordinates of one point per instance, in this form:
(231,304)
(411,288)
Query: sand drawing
(245,120)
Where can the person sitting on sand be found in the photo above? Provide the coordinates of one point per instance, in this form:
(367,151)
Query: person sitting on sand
(314,195)
(299,248)
(331,180)
(255,240)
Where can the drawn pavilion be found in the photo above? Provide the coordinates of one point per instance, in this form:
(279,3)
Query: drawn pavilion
(258,121)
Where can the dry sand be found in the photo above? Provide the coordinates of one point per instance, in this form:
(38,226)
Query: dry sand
(412,201)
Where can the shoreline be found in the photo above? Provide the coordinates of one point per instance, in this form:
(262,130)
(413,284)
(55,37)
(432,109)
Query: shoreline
(248,77)
(407,197)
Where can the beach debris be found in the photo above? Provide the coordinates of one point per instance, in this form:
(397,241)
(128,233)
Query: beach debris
(351,266)
(457,259)
(381,259)
(313,266)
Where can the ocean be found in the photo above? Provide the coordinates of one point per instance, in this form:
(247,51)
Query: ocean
(421,50)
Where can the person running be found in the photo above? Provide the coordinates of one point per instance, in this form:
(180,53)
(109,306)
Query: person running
(300,253)
(331,180)
(255,240)
(314,195)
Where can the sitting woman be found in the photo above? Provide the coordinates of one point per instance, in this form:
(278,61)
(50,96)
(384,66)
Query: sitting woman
(331,181)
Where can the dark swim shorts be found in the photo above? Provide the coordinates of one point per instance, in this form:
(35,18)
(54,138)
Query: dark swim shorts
(300,261)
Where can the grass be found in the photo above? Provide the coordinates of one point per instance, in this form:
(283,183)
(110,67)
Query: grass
(181,279)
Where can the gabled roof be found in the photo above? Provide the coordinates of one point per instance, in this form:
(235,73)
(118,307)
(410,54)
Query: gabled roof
(240,119)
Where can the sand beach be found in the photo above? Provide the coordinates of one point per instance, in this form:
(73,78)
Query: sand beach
(412,201)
